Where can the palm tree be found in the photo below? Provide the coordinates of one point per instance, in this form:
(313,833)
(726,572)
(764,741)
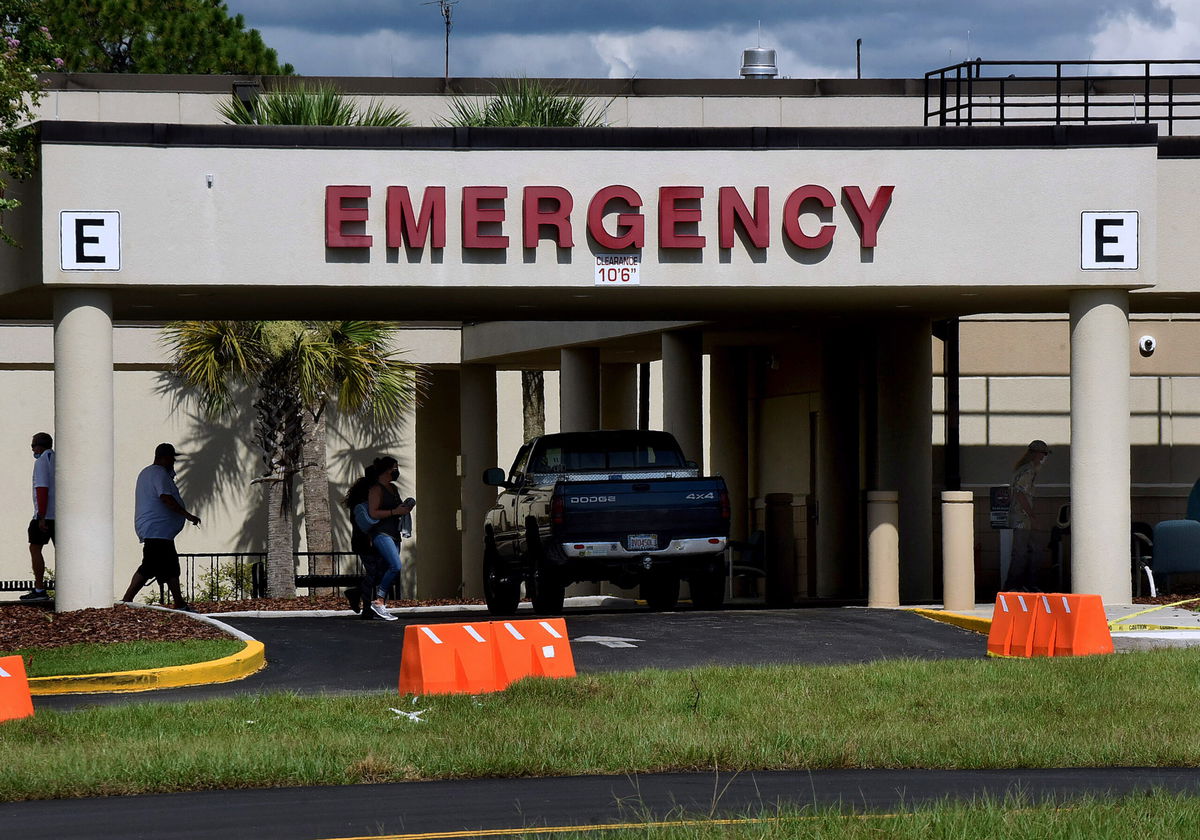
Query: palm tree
(528,103)
(294,367)
(304,104)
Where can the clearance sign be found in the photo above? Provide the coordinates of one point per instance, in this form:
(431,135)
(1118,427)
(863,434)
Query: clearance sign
(492,217)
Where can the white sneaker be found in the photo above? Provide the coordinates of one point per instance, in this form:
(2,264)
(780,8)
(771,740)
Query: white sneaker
(382,612)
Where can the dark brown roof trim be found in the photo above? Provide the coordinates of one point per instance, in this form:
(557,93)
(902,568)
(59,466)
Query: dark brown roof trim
(238,136)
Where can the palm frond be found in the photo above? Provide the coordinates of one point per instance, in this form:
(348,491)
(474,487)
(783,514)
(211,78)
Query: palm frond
(304,104)
(528,103)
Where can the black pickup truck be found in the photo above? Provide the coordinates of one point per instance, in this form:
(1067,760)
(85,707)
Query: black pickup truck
(618,506)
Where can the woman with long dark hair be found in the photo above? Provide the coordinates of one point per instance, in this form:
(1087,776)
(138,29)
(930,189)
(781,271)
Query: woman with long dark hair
(377,510)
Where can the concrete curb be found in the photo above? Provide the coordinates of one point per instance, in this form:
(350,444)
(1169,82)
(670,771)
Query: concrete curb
(237,666)
(967,622)
(1126,637)
(578,601)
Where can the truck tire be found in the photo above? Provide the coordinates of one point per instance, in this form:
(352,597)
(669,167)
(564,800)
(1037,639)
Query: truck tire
(661,592)
(502,594)
(708,589)
(547,591)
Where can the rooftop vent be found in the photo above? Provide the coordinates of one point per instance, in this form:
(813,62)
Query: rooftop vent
(759,63)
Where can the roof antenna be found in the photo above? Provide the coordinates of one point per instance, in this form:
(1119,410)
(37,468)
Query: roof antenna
(447,9)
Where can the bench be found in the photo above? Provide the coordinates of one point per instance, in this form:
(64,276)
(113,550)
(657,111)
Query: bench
(258,582)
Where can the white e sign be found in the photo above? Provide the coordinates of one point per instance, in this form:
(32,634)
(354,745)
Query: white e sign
(90,240)
(1109,241)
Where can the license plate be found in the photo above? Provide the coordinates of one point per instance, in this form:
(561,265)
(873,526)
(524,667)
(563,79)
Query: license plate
(643,542)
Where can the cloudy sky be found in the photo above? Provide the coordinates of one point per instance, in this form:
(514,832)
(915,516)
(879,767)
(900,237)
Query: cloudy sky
(704,38)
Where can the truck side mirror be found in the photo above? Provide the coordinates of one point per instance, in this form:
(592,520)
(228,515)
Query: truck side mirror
(494,477)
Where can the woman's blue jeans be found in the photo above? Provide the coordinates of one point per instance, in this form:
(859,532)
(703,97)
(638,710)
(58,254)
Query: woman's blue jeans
(389,550)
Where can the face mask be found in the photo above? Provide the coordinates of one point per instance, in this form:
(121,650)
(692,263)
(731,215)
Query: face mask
(395,474)
(37,455)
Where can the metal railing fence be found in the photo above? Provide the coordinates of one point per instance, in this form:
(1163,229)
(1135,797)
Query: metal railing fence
(977,93)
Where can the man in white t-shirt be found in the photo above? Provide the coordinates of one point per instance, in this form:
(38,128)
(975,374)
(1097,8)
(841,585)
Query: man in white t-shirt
(41,527)
(158,516)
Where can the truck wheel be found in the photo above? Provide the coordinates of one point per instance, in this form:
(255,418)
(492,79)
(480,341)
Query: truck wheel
(501,593)
(546,591)
(708,589)
(661,592)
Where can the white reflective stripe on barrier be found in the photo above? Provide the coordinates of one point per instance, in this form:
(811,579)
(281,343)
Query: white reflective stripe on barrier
(474,633)
(1046,604)
(1066,605)
(546,626)
(1024,608)
(4,673)
(516,634)
(1003,604)
(431,635)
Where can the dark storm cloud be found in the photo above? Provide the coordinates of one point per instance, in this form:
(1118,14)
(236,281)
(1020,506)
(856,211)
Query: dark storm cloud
(900,39)
(1015,20)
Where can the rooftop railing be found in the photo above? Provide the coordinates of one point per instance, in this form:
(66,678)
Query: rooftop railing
(978,93)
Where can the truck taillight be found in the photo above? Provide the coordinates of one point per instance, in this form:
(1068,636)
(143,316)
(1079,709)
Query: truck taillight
(724,504)
(556,509)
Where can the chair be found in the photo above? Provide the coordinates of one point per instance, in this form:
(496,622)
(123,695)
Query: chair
(1176,545)
(1176,550)
(1141,553)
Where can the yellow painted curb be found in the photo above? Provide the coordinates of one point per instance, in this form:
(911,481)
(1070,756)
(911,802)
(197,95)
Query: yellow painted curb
(234,667)
(967,622)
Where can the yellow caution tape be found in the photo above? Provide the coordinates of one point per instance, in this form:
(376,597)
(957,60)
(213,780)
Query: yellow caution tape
(1112,624)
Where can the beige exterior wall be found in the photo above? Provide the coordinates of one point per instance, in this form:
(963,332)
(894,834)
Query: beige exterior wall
(264,215)
(215,477)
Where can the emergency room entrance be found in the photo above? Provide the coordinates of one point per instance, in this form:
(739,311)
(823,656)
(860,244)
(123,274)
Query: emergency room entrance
(808,265)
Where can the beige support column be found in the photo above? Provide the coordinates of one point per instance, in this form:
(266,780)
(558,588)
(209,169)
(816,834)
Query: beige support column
(729,433)
(904,370)
(83,444)
(436,553)
(682,400)
(958,549)
(477,421)
(579,389)
(618,396)
(837,491)
(1100,510)
(883,548)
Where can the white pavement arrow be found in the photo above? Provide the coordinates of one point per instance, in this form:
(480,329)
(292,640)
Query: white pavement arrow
(609,641)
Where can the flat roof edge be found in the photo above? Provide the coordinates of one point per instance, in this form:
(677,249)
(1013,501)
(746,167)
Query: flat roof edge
(437,86)
(754,138)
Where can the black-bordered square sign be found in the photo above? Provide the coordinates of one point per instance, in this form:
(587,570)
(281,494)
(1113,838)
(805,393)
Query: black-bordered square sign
(90,240)
(1109,241)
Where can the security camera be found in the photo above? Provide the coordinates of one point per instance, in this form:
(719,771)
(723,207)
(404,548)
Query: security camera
(1146,345)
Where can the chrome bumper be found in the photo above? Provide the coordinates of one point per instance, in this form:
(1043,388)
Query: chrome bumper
(676,548)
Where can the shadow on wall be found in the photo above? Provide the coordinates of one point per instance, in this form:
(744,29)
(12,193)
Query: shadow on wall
(222,461)
(220,465)
(348,455)
(1171,466)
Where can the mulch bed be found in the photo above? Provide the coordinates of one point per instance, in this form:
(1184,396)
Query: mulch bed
(41,627)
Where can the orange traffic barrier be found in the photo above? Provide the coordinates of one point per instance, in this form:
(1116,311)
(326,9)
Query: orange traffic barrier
(482,657)
(15,701)
(532,648)
(1049,624)
(1012,625)
(448,659)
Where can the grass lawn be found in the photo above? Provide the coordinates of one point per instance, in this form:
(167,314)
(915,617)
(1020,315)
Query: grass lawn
(1161,816)
(120,656)
(1122,710)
